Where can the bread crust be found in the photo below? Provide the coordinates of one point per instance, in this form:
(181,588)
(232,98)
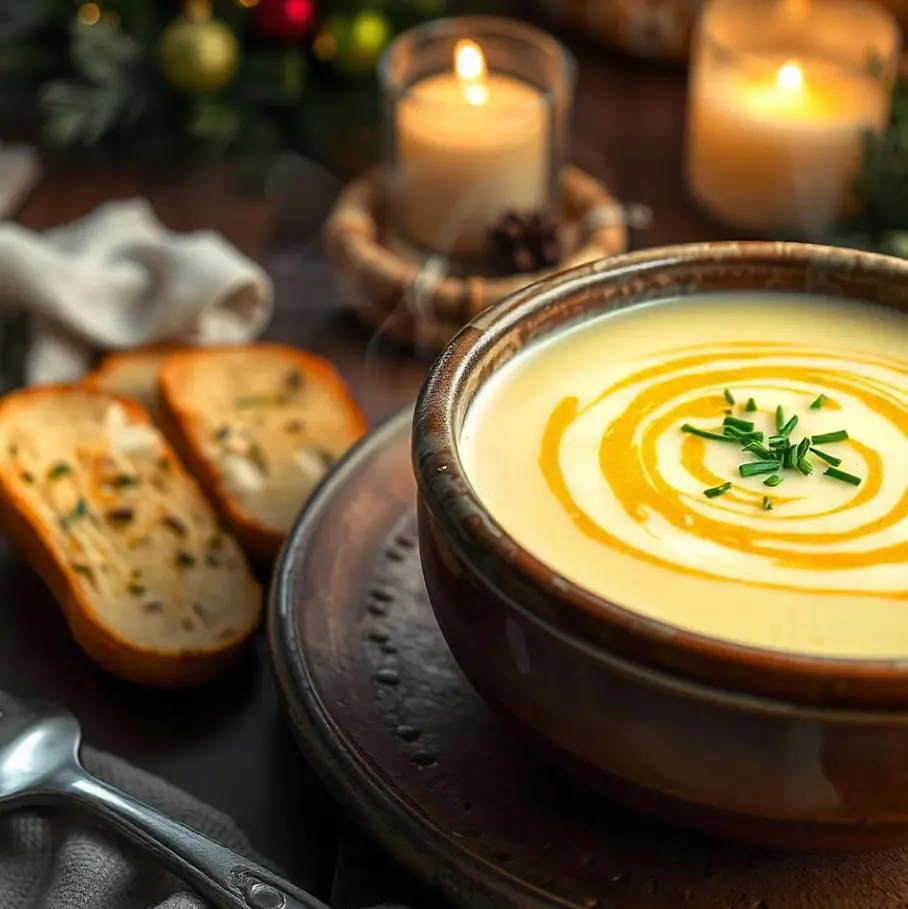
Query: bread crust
(103,642)
(116,373)
(174,413)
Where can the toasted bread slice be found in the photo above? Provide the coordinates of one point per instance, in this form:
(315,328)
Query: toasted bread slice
(260,426)
(133,373)
(153,588)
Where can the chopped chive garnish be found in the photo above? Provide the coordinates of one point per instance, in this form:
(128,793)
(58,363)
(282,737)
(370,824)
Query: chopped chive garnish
(776,453)
(764,454)
(756,468)
(843,476)
(717,491)
(788,428)
(828,458)
(839,436)
(705,434)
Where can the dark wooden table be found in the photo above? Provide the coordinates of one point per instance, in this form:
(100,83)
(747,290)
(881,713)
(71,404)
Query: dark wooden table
(227,745)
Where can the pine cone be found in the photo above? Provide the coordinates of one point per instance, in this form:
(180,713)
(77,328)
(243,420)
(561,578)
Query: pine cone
(523,243)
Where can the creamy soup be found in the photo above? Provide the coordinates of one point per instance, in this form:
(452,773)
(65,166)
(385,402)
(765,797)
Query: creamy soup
(735,465)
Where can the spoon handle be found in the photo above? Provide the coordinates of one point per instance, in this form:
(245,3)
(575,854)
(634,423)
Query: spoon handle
(225,878)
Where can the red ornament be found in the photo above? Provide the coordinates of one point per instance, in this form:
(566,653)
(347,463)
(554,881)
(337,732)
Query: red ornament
(285,20)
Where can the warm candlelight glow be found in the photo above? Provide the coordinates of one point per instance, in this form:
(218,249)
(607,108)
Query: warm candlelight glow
(797,9)
(470,66)
(790,77)
(779,106)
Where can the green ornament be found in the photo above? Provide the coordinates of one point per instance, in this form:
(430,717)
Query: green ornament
(353,44)
(199,54)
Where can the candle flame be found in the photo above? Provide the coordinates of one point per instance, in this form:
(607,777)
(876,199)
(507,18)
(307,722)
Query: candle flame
(790,77)
(470,66)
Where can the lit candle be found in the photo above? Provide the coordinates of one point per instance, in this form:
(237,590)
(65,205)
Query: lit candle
(470,145)
(774,136)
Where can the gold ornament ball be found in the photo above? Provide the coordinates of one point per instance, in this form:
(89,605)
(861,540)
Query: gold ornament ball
(199,55)
(353,44)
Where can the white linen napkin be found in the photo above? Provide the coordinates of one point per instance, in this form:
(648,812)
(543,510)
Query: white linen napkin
(118,279)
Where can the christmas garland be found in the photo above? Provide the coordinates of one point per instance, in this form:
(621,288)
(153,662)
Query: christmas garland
(244,77)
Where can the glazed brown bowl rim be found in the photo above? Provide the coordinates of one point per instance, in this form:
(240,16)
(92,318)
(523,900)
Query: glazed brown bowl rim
(467,525)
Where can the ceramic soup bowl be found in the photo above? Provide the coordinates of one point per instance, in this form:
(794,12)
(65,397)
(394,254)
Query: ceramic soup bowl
(770,745)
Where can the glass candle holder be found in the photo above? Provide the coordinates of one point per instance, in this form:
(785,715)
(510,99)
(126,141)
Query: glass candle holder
(780,95)
(476,112)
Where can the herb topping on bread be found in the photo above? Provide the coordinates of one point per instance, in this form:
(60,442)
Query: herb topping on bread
(260,426)
(153,587)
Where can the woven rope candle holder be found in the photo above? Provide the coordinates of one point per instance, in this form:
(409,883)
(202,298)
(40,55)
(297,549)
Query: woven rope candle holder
(420,303)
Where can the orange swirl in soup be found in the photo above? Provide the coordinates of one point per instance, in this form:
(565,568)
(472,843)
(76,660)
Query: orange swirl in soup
(670,458)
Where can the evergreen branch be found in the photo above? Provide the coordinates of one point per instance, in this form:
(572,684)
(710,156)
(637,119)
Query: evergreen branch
(103,53)
(80,115)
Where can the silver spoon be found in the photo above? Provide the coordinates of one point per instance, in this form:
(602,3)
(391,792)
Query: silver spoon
(39,764)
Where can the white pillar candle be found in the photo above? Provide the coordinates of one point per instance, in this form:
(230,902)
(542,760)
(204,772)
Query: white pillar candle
(774,135)
(470,145)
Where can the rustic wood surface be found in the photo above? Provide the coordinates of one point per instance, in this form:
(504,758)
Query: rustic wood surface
(227,745)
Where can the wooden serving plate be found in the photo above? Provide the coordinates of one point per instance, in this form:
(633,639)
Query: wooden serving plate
(383,714)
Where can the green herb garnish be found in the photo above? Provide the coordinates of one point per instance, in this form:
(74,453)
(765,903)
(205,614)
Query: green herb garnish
(122,480)
(756,468)
(84,570)
(186,559)
(764,454)
(739,435)
(777,453)
(59,470)
(842,475)
(717,491)
(705,434)
(788,428)
(729,397)
(838,436)
(136,589)
(251,401)
(828,458)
